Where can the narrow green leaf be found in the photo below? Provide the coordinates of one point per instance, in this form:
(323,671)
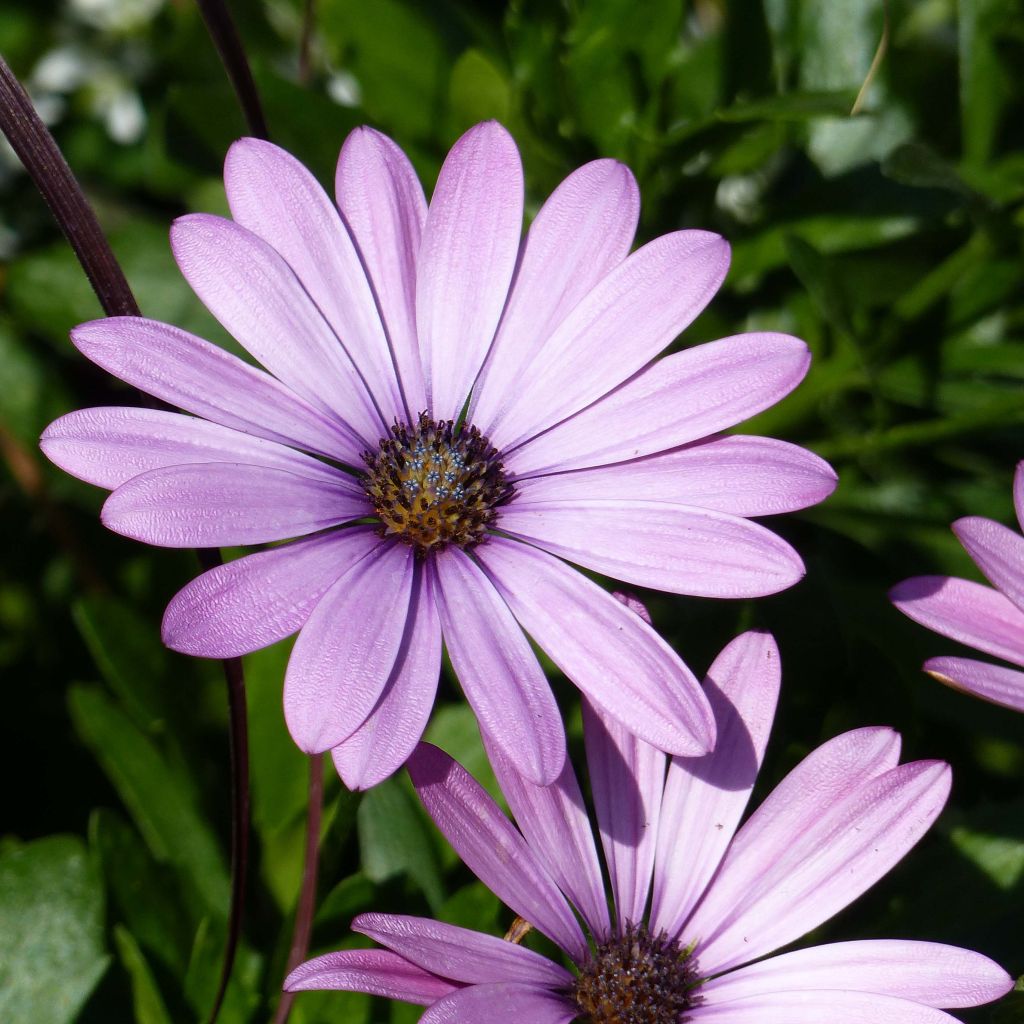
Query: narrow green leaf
(146,999)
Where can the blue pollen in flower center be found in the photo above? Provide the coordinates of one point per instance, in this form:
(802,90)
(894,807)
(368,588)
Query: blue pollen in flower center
(434,484)
(637,978)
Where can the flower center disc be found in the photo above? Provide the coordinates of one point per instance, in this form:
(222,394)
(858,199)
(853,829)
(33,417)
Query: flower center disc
(434,485)
(637,978)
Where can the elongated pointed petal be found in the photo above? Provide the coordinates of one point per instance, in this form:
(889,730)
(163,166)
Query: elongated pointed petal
(378,972)
(1018,493)
(499,673)
(382,202)
(814,1007)
(179,368)
(969,612)
(276,198)
(491,848)
(346,650)
(582,231)
(923,972)
(993,683)
(459,953)
(632,673)
(705,797)
(485,1004)
(467,255)
(684,397)
(997,551)
(259,599)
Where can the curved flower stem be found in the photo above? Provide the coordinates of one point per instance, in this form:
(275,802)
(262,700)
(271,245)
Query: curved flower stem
(307,896)
(224,34)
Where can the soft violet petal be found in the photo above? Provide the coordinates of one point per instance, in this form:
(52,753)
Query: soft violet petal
(345,652)
(467,255)
(275,197)
(488,1004)
(744,476)
(834,1006)
(377,972)
(491,847)
(963,610)
(555,823)
(383,743)
(499,673)
(459,953)
(923,972)
(665,547)
(616,330)
(1018,493)
(258,299)
(382,202)
(835,860)
(583,230)
(759,854)
(259,599)
(993,683)
(684,397)
(108,446)
(221,504)
(998,552)
(179,368)
(705,797)
(627,777)
(631,673)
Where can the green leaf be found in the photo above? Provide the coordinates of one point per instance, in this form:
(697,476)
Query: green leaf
(203,976)
(985,85)
(51,918)
(999,857)
(169,822)
(478,91)
(146,999)
(349,897)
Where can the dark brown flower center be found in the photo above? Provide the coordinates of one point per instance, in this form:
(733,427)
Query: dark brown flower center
(637,978)
(435,484)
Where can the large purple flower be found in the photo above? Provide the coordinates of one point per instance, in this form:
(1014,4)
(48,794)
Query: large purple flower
(694,903)
(449,417)
(976,615)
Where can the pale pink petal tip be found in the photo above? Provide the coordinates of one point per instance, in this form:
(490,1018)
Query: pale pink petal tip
(634,604)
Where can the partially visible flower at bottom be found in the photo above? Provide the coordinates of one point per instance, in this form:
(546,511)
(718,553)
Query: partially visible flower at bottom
(694,903)
(976,615)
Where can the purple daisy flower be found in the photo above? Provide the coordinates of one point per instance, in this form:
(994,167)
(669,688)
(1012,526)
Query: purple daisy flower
(433,383)
(976,615)
(693,903)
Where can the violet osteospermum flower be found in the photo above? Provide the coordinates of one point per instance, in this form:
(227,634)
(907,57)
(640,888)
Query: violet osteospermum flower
(976,615)
(448,414)
(694,903)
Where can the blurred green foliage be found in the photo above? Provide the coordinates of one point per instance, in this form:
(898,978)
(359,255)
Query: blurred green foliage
(890,241)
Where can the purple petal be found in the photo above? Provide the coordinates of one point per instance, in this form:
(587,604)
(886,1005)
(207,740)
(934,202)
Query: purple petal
(923,972)
(627,777)
(491,847)
(705,797)
(382,203)
(461,954)
(374,971)
(744,476)
(834,1006)
(487,1004)
(469,248)
(830,864)
(997,551)
(276,198)
(221,504)
(619,327)
(632,673)
(684,397)
(969,612)
(179,368)
(666,547)
(384,742)
(989,682)
(1018,493)
(109,446)
(253,292)
(257,600)
(345,652)
(555,823)
(758,853)
(497,669)
(582,231)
